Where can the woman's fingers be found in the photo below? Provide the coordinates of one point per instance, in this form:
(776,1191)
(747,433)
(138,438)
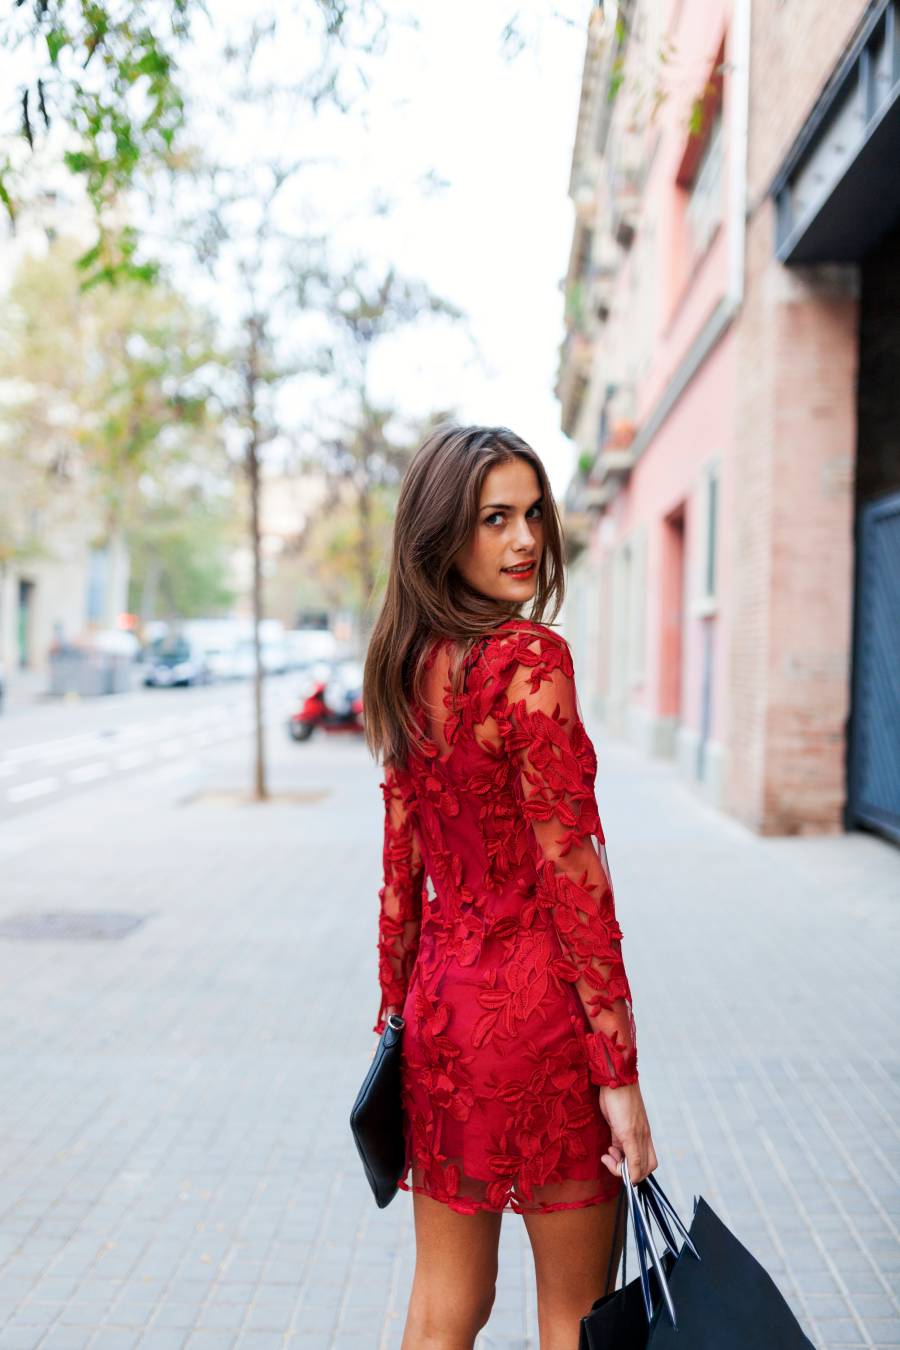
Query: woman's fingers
(612,1159)
(641,1155)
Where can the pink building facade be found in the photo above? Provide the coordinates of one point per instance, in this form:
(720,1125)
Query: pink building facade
(710,379)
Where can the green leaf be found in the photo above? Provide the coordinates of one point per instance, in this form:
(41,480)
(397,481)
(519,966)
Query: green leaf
(57,38)
(7,200)
(77,161)
(88,259)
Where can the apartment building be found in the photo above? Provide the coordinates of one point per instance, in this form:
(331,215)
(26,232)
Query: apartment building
(725,376)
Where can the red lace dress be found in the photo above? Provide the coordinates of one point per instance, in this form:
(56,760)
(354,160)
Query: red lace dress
(498,938)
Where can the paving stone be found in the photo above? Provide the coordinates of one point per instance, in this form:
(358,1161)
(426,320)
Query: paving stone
(67,1338)
(176,1169)
(162,1340)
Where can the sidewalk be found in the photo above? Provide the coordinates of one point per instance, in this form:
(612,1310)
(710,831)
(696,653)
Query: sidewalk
(22,690)
(176,1168)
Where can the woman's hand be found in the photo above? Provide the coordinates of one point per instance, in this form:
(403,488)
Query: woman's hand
(623,1110)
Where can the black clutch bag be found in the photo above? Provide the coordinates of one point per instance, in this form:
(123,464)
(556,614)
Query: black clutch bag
(377,1116)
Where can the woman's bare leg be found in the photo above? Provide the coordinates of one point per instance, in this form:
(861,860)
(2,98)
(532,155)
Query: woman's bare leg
(455,1277)
(571,1255)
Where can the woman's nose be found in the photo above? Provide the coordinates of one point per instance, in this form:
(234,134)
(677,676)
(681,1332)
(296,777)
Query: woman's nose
(523,533)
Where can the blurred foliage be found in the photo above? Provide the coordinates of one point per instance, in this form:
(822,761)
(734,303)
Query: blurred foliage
(575,316)
(370,445)
(326,575)
(107,74)
(586,462)
(106,406)
(180,555)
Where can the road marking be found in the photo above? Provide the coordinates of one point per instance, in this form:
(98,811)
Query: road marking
(38,788)
(133,758)
(23,753)
(86,773)
(219,726)
(208,737)
(94,747)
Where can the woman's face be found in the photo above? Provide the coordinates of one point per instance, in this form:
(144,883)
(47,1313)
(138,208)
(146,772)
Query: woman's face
(509,531)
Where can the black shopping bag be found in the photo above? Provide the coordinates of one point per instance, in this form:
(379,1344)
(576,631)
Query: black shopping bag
(712,1294)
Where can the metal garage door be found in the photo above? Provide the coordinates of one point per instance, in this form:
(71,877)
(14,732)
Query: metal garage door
(874,786)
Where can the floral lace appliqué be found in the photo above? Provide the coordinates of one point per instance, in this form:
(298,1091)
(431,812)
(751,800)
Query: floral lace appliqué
(498,938)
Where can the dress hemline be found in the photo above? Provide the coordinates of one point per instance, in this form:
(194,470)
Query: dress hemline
(511,1207)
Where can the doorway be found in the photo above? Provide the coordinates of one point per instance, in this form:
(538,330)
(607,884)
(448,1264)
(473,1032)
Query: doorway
(24,619)
(671,658)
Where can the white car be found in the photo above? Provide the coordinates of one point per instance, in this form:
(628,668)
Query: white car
(305,645)
(273,654)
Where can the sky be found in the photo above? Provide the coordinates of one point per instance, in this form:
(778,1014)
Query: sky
(496,241)
(498,131)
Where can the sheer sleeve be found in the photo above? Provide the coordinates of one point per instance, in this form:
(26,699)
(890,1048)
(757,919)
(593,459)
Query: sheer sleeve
(400,897)
(557,767)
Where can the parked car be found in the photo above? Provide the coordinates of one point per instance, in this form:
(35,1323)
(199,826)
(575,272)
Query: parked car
(173,660)
(221,661)
(305,645)
(272,651)
(217,639)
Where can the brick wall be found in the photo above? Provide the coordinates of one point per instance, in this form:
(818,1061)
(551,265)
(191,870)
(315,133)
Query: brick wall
(751,534)
(795,46)
(792,546)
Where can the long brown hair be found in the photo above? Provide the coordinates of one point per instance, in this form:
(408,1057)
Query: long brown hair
(437,512)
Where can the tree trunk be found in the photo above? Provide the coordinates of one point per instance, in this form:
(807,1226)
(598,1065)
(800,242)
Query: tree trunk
(259,781)
(150,590)
(260,787)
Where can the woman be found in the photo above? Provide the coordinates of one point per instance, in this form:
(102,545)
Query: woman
(497,937)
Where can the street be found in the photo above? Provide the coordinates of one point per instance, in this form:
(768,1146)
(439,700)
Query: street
(53,748)
(176,1167)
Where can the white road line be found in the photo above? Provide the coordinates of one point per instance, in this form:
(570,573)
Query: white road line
(133,758)
(23,753)
(206,726)
(38,788)
(170,748)
(206,737)
(86,773)
(95,747)
(88,742)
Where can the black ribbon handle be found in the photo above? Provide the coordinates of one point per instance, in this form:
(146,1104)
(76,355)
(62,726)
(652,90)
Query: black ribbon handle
(645,1201)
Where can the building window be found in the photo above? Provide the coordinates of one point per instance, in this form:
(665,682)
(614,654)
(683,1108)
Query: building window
(98,563)
(704,204)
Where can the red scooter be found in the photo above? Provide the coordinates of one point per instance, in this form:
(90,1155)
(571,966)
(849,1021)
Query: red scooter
(334,709)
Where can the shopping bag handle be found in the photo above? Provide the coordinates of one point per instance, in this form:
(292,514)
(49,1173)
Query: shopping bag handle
(644,1201)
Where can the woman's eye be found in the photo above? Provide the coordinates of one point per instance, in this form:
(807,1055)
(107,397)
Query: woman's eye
(500,515)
